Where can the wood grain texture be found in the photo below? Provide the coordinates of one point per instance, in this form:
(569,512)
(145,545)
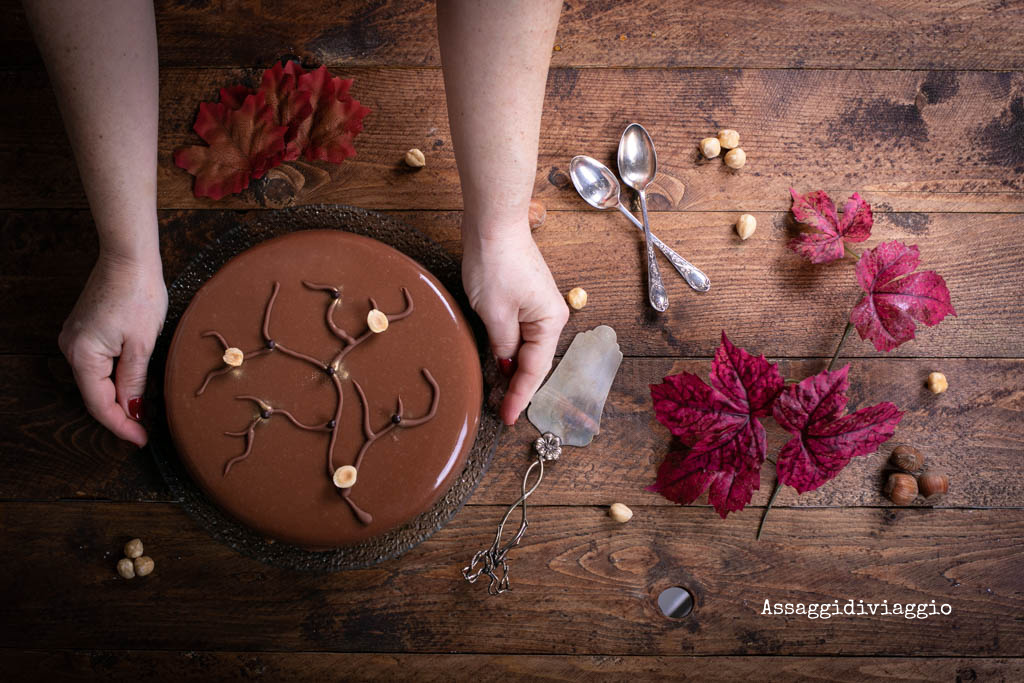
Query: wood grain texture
(299,666)
(50,448)
(906,140)
(877,34)
(762,294)
(582,584)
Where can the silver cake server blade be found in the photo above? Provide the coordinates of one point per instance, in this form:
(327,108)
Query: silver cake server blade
(567,411)
(570,403)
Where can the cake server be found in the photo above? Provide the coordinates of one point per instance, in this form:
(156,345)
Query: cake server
(566,410)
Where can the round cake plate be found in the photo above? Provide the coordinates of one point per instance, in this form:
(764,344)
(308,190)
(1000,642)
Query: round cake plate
(252,229)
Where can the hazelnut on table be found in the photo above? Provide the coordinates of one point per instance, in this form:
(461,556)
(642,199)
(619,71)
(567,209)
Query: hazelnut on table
(728,138)
(414,158)
(710,147)
(745,226)
(620,513)
(906,458)
(901,488)
(144,565)
(133,548)
(577,298)
(736,158)
(126,568)
(937,383)
(537,214)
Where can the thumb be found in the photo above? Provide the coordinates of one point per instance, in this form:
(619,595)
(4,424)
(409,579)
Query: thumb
(503,332)
(130,379)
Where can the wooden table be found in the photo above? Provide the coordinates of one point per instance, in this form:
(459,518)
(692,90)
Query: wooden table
(917,105)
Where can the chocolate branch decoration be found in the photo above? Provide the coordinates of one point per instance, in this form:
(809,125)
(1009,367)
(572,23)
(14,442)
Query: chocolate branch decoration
(398,420)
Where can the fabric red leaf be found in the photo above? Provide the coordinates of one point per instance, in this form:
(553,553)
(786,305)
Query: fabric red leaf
(886,315)
(336,118)
(234,95)
(682,482)
(824,439)
(718,423)
(291,106)
(243,145)
(817,210)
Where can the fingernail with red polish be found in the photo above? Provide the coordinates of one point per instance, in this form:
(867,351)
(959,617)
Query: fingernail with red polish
(136,409)
(507,366)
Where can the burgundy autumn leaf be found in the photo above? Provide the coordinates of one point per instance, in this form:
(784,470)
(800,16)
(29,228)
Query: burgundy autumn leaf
(336,118)
(824,439)
(291,106)
(817,210)
(243,145)
(719,425)
(234,95)
(682,482)
(886,315)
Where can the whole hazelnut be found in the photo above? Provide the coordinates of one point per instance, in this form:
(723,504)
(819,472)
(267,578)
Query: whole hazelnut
(728,138)
(933,485)
(233,356)
(937,382)
(144,565)
(345,476)
(710,147)
(746,226)
(126,568)
(736,158)
(620,513)
(415,159)
(577,298)
(537,214)
(901,488)
(133,548)
(906,458)
(377,321)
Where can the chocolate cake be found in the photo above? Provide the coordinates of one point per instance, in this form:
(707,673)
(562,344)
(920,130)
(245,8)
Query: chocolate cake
(323,388)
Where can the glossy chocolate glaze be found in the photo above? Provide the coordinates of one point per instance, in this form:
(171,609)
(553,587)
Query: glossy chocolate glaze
(318,390)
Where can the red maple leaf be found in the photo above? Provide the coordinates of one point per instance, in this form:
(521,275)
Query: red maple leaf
(816,209)
(336,118)
(825,439)
(886,315)
(243,145)
(291,105)
(718,423)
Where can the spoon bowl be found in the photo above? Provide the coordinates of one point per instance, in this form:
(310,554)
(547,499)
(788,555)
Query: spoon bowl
(638,162)
(595,182)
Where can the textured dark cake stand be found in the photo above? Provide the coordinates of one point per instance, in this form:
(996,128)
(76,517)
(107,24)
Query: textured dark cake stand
(253,229)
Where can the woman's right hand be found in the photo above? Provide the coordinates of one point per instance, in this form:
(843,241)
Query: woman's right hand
(118,315)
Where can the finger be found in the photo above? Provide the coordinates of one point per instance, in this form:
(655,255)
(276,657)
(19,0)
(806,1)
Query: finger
(92,374)
(503,333)
(130,376)
(535,356)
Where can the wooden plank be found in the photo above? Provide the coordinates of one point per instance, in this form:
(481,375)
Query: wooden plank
(762,293)
(877,34)
(50,448)
(582,585)
(885,134)
(206,666)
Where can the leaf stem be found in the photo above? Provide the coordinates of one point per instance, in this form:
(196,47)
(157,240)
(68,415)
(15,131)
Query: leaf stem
(842,340)
(778,487)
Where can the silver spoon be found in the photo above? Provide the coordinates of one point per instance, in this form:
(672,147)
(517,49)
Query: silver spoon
(600,188)
(638,164)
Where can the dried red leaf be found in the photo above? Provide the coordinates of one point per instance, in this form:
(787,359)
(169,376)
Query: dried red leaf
(336,118)
(234,95)
(886,315)
(719,425)
(243,145)
(824,439)
(817,210)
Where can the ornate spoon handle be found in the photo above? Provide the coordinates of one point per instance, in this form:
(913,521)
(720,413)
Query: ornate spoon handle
(693,275)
